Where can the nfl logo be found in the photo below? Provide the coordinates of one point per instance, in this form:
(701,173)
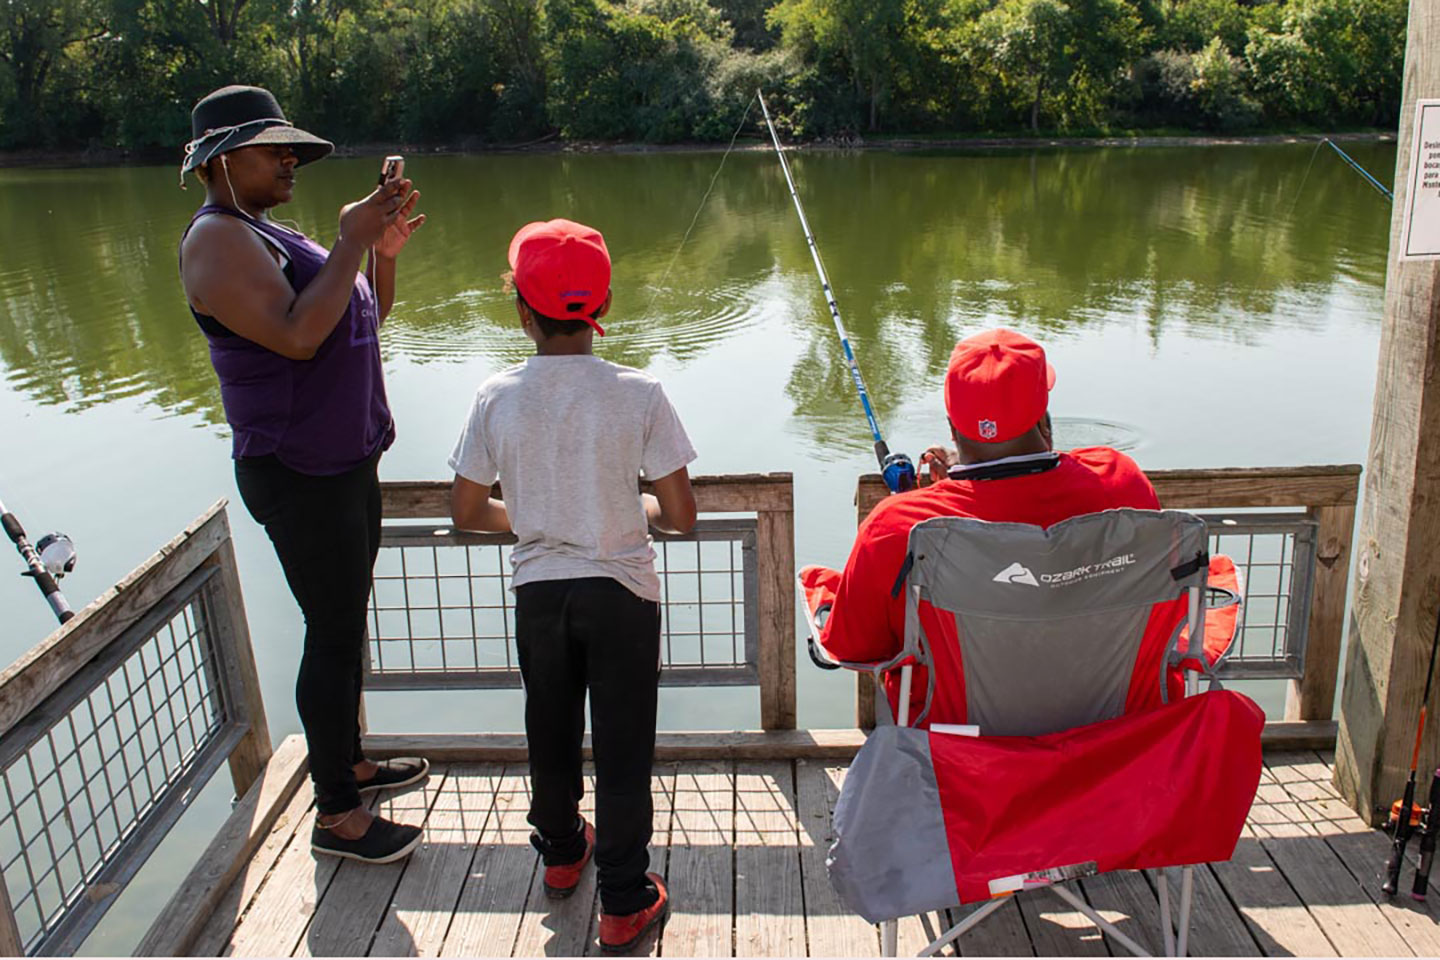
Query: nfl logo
(988,430)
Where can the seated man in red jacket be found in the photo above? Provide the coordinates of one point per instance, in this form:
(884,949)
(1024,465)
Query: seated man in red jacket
(997,389)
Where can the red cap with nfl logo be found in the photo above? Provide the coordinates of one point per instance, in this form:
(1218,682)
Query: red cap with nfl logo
(562,269)
(997,386)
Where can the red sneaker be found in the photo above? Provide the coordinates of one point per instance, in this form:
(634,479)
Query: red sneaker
(620,932)
(561,880)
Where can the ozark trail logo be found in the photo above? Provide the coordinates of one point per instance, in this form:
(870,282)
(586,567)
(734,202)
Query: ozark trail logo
(988,429)
(1016,573)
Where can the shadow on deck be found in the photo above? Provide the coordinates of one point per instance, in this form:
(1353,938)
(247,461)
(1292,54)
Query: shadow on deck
(742,845)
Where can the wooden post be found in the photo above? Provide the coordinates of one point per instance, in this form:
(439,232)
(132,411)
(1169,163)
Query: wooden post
(1397,583)
(11,945)
(775,546)
(237,659)
(1312,697)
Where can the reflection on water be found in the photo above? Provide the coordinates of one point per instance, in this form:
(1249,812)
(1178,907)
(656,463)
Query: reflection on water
(921,248)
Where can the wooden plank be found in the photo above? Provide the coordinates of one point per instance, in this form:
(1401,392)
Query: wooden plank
(1298,734)
(181,920)
(1216,927)
(822,744)
(236,656)
(220,925)
(1274,915)
(662,796)
(669,747)
(769,904)
(1002,934)
(702,881)
(1215,488)
(44,668)
(1125,899)
(492,902)
(560,928)
(731,493)
(358,899)
(425,899)
(282,907)
(1364,851)
(775,544)
(1312,697)
(831,930)
(1306,778)
(1339,904)
(11,944)
(1057,929)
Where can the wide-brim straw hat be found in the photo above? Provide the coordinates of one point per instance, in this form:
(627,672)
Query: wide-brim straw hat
(240,116)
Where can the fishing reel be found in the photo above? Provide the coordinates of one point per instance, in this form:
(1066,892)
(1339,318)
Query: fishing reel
(898,471)
(57,553)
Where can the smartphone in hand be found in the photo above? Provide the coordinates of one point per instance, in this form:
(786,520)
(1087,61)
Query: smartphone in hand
(392,169)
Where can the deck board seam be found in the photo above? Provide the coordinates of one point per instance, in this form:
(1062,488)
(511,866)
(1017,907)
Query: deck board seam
(372,804)
(480,832)
(444,772)
(1260,842)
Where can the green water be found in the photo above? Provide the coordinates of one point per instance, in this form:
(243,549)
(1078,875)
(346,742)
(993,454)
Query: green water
(1201,306)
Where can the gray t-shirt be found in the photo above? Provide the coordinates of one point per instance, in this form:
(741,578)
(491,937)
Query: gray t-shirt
(568,437)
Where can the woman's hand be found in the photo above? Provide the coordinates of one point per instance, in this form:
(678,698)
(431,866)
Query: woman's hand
(397,232)
(364,222)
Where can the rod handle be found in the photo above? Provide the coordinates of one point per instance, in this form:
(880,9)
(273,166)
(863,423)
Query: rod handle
(1400,839)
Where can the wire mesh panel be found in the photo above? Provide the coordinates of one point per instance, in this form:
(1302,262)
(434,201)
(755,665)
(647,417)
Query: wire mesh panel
(1275,554)
(442,615)
(94,776)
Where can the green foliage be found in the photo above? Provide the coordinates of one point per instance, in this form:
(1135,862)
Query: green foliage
(124,73)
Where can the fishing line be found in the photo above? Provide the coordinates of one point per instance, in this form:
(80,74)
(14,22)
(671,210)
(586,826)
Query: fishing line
(896,468)
(696,219)
(1385,191)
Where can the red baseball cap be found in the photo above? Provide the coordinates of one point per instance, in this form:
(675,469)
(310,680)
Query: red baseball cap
(997,386)
(562,269)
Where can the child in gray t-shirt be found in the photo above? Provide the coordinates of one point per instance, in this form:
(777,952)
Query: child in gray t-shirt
(569,436)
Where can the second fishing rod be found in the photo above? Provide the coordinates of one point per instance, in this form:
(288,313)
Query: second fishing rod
(896,468)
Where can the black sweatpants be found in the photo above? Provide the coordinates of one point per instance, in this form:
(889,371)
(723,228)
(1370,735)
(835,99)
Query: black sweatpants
(573,635)
(326,532)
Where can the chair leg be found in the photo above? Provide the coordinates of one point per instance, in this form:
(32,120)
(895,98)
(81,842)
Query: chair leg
(953,935)
(1187,895)
(889,938)
(1167,927)
(1070,897)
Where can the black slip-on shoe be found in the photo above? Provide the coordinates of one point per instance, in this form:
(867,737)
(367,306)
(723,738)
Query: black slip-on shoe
(385,842)
(400,772)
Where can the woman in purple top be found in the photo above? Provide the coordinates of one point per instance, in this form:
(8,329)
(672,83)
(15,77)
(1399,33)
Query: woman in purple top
(294,337)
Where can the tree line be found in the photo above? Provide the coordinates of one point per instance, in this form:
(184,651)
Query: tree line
(123,74)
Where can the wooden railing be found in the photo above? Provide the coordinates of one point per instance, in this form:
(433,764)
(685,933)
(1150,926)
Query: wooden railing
(1326,495)
(117,719)
(770,497)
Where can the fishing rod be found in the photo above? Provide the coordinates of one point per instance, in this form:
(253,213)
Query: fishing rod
(896,468)
(1403,813)
(1360,170)
(51,558)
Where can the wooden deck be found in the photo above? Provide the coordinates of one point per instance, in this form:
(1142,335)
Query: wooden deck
(742,845)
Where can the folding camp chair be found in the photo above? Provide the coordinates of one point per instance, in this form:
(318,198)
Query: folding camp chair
(1085,746)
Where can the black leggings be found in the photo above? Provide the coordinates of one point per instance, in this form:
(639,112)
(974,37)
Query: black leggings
(573,635)
(326,531)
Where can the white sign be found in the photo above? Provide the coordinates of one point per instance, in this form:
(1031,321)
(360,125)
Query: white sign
(1421,237)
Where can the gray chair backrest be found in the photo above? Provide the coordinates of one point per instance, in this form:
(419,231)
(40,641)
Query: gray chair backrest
(1050,621)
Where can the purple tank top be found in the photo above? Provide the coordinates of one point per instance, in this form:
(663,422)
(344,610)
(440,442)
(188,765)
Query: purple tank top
(320,416)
